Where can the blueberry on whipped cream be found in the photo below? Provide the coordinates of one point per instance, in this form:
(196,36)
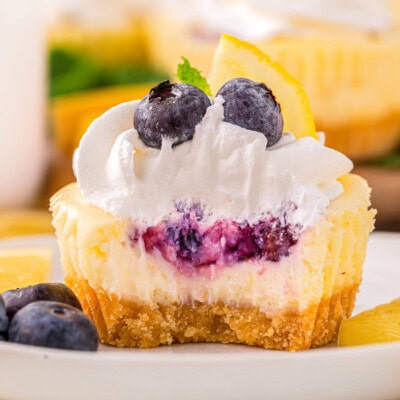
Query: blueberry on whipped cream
(170,111)
(141,172)
(252,106)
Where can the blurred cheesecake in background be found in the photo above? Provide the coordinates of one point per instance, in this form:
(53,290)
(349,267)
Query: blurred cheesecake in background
(345,53)
(108,32)
(97,59)
(95,43)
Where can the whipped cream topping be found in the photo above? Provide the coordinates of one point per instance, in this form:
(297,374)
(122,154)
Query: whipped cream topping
(224,167)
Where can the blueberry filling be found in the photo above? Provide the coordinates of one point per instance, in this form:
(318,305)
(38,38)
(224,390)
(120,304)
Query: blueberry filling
(188,243)
(185,237)
(274,238)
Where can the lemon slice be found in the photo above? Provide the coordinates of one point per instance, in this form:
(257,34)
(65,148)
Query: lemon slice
(21,267)
(24,222)
(378,325)
(234,58)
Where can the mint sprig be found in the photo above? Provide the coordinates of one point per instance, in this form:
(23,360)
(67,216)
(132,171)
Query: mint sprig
(191,75)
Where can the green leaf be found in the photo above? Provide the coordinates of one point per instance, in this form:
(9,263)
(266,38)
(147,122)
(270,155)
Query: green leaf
(72,71)
(390,161)
(188,74)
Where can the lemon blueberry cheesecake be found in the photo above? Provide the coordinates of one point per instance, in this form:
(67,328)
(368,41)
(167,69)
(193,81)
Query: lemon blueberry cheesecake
(214,219)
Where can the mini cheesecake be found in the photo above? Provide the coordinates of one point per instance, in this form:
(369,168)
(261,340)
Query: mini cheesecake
(199,219)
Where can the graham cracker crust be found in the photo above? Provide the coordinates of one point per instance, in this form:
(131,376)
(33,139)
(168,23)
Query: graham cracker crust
(129,324)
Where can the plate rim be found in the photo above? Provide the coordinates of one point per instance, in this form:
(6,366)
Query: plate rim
(150,355)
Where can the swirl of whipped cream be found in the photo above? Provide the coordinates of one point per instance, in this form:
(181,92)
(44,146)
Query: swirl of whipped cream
(224,167)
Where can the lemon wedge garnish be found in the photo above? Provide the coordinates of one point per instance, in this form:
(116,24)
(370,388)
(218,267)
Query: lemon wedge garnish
(378,325)
(21,267)
(235,58)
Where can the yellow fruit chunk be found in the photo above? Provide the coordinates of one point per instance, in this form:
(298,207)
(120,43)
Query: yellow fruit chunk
(379,325)
(21,267)
(24,222)
(234,58)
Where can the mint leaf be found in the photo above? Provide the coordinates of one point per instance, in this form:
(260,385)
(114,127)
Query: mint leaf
(188,74)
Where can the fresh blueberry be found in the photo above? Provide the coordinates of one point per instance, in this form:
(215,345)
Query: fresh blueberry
(170,111)
(3,317)
(14,300)
(53,324)
(252,105)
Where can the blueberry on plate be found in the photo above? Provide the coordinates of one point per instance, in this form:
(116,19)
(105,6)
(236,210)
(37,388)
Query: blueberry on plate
(170,111)
(252,106)
(16,299)
(55,325)
(3,317)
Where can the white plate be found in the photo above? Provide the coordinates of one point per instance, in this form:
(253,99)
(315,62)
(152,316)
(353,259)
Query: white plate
(207,371)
